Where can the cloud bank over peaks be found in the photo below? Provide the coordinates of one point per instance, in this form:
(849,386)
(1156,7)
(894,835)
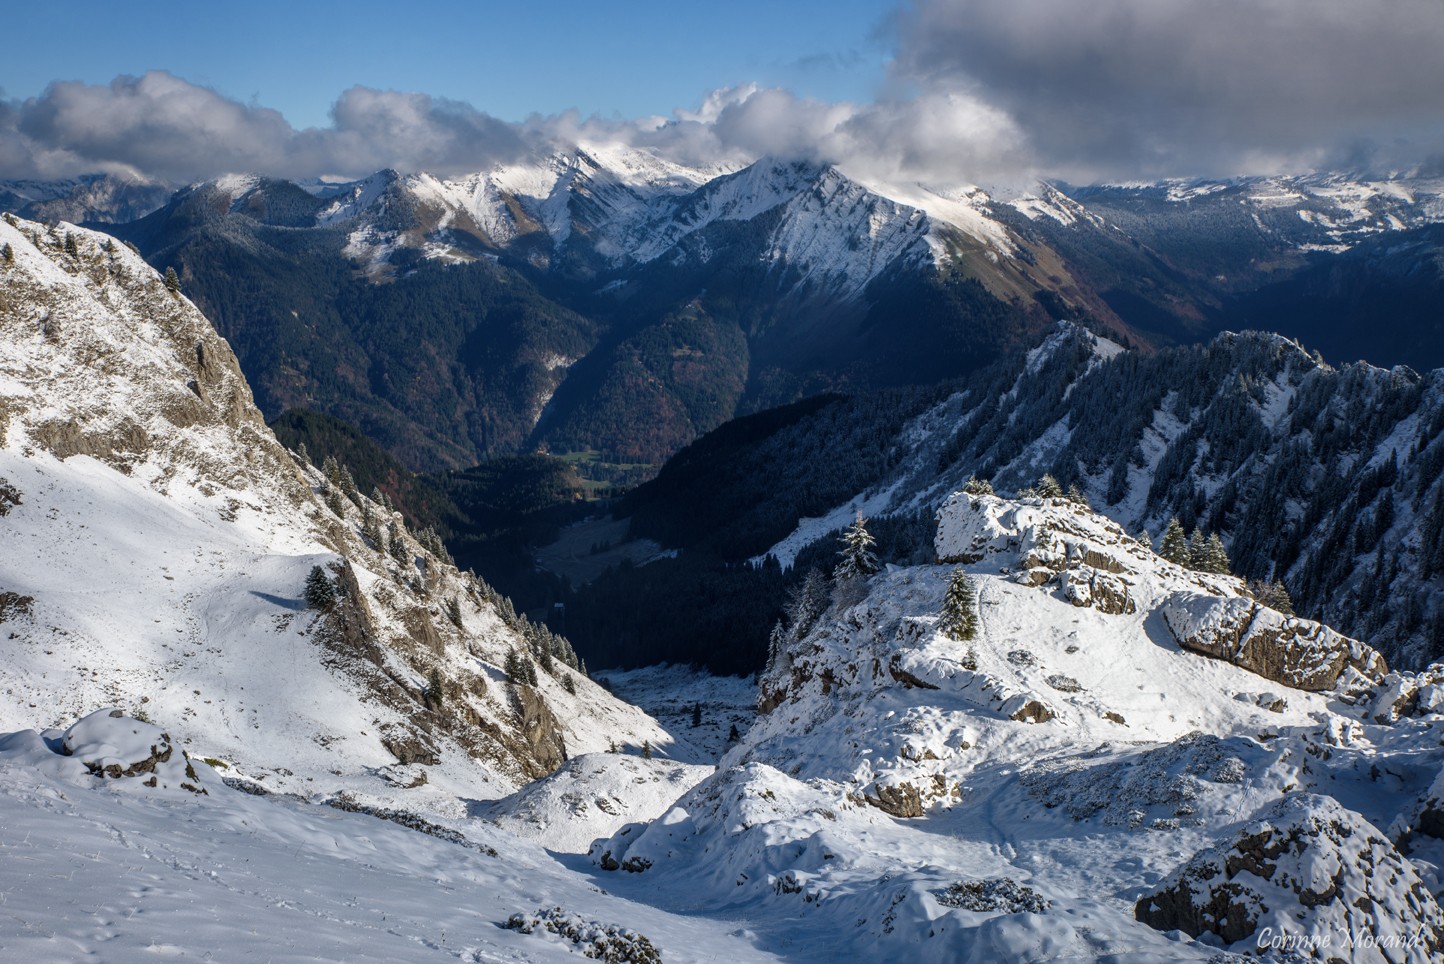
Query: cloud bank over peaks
(978,92)
(159,125)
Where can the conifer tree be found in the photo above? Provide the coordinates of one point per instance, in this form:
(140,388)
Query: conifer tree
(1196,544)
(453,611)
(370,530)
(732,735)
(1215,556)
(959,618)
(805,602)
(858,555)
(435,694)
(302,454)
(1174,546)
(172,281)
(1076,496)
(977,486)
(513,668)
(347,484)
(1278,598)
(332,470)
(696,715)
(320,591)
(1049,488)
(396,545)
(71,248)
(7,254)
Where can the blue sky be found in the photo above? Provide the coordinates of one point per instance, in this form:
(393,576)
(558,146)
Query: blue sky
(508,59)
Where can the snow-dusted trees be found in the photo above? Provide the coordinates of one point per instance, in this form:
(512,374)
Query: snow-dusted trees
(959,617)
(805,602)
(1174,546)
(859,552)
(1273,595)
(1048,487)
(320,592)
(172,281)
(1214,557)
(977,486)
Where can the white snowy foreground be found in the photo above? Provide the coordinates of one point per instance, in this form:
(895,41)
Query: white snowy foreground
(114,870)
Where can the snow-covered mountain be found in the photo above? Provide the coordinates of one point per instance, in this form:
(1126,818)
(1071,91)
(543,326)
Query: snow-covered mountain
(1325,478)
(1311,212)
(618,208)
(159,544)
(1128,761)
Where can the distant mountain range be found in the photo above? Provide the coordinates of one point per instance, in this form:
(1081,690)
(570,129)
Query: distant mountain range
(610,303)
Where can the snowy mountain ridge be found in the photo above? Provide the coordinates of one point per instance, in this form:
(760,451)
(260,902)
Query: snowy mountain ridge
(1325,478)
(161,539)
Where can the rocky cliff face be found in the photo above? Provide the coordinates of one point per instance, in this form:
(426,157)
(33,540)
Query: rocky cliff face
(161,539)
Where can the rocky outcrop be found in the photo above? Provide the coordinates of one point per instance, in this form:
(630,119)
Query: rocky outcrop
(1308,866)
(1293,652)
(900,800)
(540,729)
(1409,694)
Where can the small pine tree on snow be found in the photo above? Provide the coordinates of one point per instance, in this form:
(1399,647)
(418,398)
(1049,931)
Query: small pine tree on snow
(453,611)
(71,248)
(332,497)
(732,735)
(977,486)
(1076,496)
(1049,488)
(396,545)
(7,254)
(569,685)
(858,555)
(331,469)
(370,529)
(775,641)
(512,667)
(959,618)
(646,749)
(805,602)
(1174,546)
(696,715)
(435,695)
(1196,543)
(347,484)
(172,281)
(1278,599)
(1215,556)
(320,591)
(302,454)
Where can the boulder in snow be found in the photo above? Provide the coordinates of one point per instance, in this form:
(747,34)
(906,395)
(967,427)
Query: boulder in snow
(1312,871)
(1284,649)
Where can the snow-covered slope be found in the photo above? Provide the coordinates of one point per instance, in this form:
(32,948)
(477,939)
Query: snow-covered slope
(116,869)
(159,541)
(1017,795)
